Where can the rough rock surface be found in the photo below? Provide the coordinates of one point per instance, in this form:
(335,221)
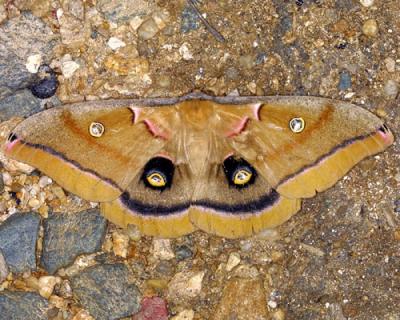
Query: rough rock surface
(107,292)
(22,306)
(83,232)
(18,235)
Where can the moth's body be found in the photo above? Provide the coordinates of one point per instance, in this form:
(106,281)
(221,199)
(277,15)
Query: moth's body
(229,166)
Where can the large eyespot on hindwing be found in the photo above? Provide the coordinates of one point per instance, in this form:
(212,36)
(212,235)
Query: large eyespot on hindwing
(239,173)
(158,173)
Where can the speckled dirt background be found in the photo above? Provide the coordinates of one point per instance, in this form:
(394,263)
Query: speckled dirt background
(339,258)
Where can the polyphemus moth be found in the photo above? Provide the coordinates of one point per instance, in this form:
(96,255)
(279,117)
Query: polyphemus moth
(231,166)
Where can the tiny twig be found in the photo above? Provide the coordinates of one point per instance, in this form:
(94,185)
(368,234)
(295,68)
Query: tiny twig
(208,26)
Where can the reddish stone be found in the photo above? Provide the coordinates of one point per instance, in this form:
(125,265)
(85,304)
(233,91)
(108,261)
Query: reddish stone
(152,308)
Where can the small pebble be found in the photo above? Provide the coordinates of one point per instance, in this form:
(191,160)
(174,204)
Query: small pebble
(272,304)
(44,181)
(7,179)
(136,22)
(370,28)
(34,203)
(115,43)
(46,84)
(68,68)
(185,52)
(148,29)
(187,314)
(183,252)
(391,88)
(390,65)
(33,63)
(152,308)
(367,3)
(233,261)
(120,244)
(162,249)
(185,285)
(46,285)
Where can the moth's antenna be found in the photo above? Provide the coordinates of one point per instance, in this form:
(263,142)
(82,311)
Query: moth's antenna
(219,37)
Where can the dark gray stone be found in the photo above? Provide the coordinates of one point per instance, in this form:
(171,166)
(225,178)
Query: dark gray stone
(22,104)
(22,306)
(18,235)
(106,291)
(68,235)
(21,37)
(189,19)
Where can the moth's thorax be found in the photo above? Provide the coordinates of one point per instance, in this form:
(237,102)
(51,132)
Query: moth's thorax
(197,114)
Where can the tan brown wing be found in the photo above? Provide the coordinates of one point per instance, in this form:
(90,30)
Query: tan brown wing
(59,142)
(156,212)
(220,207)
(336,136)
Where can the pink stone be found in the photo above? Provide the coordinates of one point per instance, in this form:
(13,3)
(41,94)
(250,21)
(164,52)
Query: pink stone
(153,308)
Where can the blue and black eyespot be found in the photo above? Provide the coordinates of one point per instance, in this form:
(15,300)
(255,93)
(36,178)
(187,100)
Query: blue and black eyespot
(158,173)
(239,173)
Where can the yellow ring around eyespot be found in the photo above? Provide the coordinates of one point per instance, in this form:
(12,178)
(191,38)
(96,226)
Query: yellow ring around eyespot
(156,180)
(242,177)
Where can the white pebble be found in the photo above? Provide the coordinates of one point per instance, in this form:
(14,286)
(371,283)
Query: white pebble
(162,249)
(7,179)
(185,52)
(233,261)
(33,63)
(46,285)
(367,3)
(68,68)
(44,181)
(272,304)
(115,43)
(349,95)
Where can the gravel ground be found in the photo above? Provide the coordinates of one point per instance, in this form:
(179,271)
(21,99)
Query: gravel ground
(339,258)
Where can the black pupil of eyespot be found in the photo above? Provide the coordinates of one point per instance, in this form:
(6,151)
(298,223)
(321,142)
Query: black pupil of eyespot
(232,165)
(164,167)
(11,137)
